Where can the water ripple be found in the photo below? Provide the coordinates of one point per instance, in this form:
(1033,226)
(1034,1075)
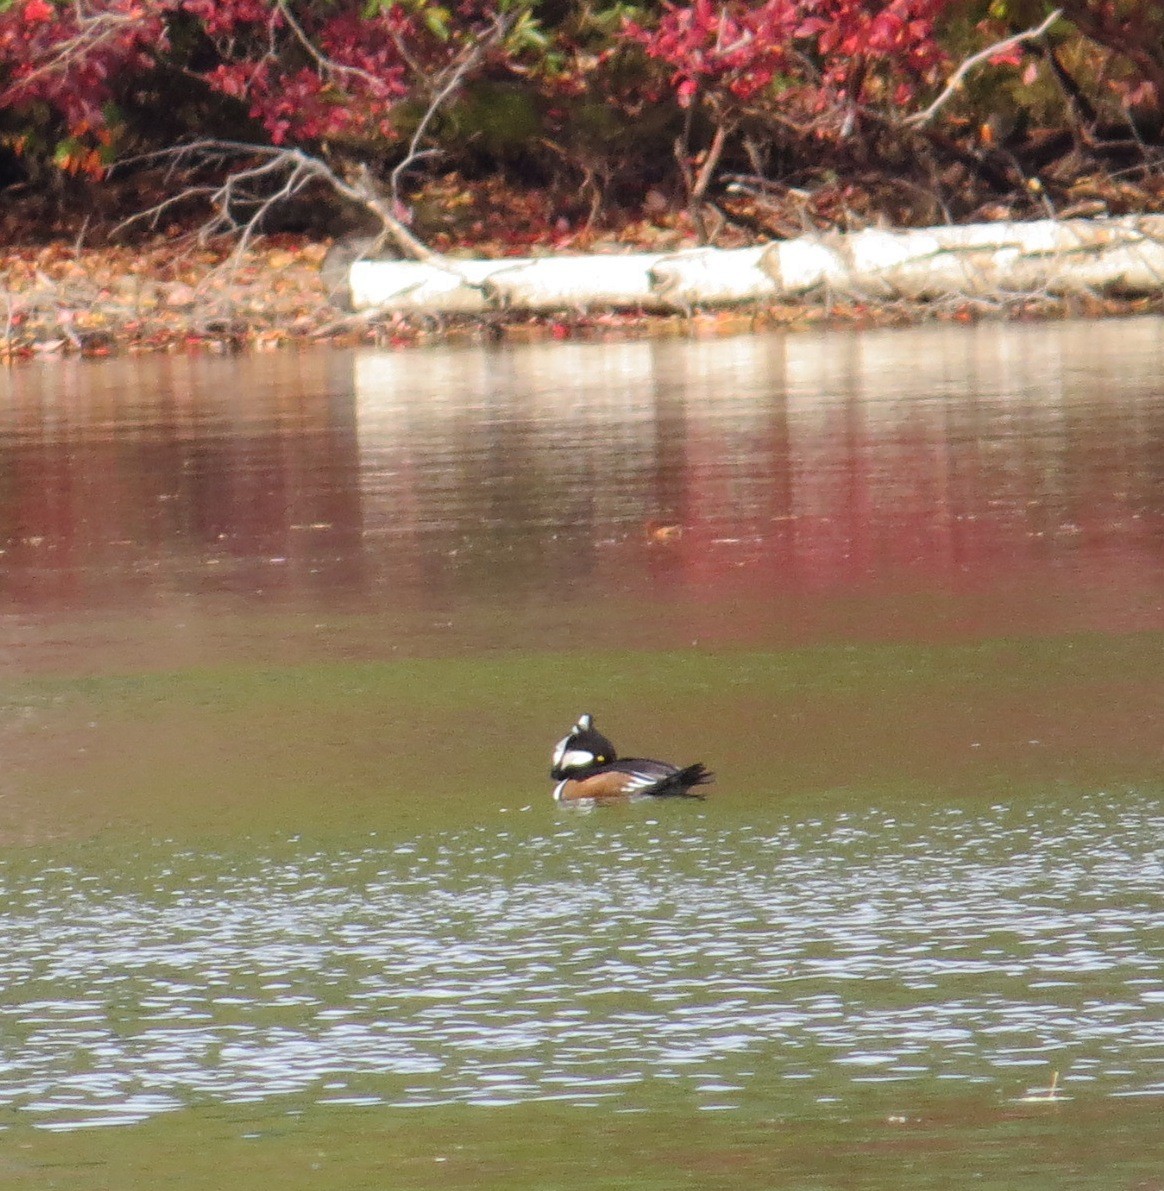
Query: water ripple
(588,958)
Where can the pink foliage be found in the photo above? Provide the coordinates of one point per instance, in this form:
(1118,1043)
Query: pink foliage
(221,18)
(70,58)
(817,56)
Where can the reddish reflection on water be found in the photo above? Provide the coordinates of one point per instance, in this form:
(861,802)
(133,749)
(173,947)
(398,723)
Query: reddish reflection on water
(129,481)
(925,481)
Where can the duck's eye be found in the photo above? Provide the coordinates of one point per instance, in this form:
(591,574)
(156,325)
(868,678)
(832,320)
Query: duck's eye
(601,760)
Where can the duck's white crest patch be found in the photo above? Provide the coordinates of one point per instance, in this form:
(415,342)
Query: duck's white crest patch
(568,758)
(575,758)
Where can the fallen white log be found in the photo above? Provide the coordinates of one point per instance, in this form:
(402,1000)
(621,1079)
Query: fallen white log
(713,277)
(1051,257)
(1122,255)
(414,287)
(553,283)
(646,281)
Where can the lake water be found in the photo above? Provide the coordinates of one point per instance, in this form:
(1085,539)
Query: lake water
(287,643)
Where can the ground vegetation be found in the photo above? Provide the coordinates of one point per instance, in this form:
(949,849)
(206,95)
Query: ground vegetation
(228,131)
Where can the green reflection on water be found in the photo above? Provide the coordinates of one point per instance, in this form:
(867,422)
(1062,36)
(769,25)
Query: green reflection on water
(949,1142)
(337,751)
(400,746)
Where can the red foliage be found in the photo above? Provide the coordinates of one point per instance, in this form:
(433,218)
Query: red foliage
(326,71)
(311,72)
(219,19)
(69,58)
(35,12)
(348,91)
(733,46)
(818,58)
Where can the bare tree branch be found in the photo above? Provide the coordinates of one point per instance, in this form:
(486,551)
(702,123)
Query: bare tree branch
(446,83)
(260,177)
(297,170)
(964,68)
(446,86)
(249,187)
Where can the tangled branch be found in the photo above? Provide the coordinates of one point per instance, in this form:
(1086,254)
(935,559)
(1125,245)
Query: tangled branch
(955,81)
(272,175)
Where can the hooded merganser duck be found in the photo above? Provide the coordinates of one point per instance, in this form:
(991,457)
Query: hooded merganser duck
(585,765)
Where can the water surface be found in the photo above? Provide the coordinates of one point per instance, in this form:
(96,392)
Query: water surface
(287,642)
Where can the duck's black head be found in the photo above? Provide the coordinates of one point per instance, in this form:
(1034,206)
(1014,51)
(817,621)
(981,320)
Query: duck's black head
(583,751)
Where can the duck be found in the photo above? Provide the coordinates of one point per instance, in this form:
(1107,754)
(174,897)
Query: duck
(586,766)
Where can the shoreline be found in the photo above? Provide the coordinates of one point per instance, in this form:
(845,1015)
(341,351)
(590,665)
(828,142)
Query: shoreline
(60,298)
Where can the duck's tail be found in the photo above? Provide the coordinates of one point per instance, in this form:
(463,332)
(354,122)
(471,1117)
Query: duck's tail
(679,785)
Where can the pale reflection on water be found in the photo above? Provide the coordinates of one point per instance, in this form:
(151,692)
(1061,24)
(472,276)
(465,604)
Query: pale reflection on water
(794,465)
(1020,461)
(772,969)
